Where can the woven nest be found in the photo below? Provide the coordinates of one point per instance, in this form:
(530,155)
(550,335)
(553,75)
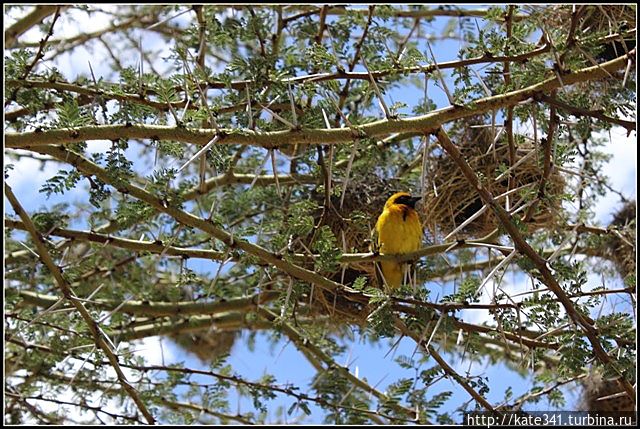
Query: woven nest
(363,198)
(602,394)
(593,18)
(352,221)
(449,201)
(622,245)
(207,344)
(600,20)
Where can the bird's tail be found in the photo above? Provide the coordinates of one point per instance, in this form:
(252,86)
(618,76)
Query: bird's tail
(393,273)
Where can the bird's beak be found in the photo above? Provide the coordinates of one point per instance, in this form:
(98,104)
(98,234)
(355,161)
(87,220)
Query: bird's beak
(413,202)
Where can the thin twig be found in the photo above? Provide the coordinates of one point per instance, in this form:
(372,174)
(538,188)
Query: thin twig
(98,334)
(443,364)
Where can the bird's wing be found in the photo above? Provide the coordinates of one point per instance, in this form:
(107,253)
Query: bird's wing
(375,245)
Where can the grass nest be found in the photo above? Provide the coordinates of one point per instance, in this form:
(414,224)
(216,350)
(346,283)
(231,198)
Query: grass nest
(604,394)
(448,200)
(593,18)
(207,344)
(599,21)
(351,219)
(621,246)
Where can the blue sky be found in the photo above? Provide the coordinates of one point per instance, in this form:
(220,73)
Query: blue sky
(283,360)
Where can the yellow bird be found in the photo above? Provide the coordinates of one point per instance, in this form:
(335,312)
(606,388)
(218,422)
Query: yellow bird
(398,231)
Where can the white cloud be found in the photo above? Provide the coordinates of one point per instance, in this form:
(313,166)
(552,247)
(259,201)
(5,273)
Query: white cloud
(621,171)
(27,177)
(512,283)
(29,174)
(155,350)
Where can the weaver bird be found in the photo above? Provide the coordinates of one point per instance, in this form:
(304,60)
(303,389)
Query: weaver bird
(398,231)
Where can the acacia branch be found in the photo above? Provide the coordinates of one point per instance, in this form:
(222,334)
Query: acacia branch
(97,333)
(93,92)
(517,339)
(343,94)
(40,52)
(204,410)
(429,68)
(232,178)
(578,111)
(159,308)
(353,258)
(424,123)
(547,144)
(422,13)
(83,404)
(84,37)
(23,25)
(524,248)
(517,404)
(157,246)
(89,168)
(509,120)
(443,364)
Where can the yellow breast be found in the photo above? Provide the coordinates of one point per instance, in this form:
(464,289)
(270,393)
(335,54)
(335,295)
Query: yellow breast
(399,230)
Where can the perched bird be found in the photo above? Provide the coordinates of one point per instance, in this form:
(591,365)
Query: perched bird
(398,231)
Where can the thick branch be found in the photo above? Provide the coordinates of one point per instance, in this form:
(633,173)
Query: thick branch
(25,24)
(425,123)
(125,243)
(158,309)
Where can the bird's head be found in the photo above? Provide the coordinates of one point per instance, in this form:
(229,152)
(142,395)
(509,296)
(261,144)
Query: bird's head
(402,199)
